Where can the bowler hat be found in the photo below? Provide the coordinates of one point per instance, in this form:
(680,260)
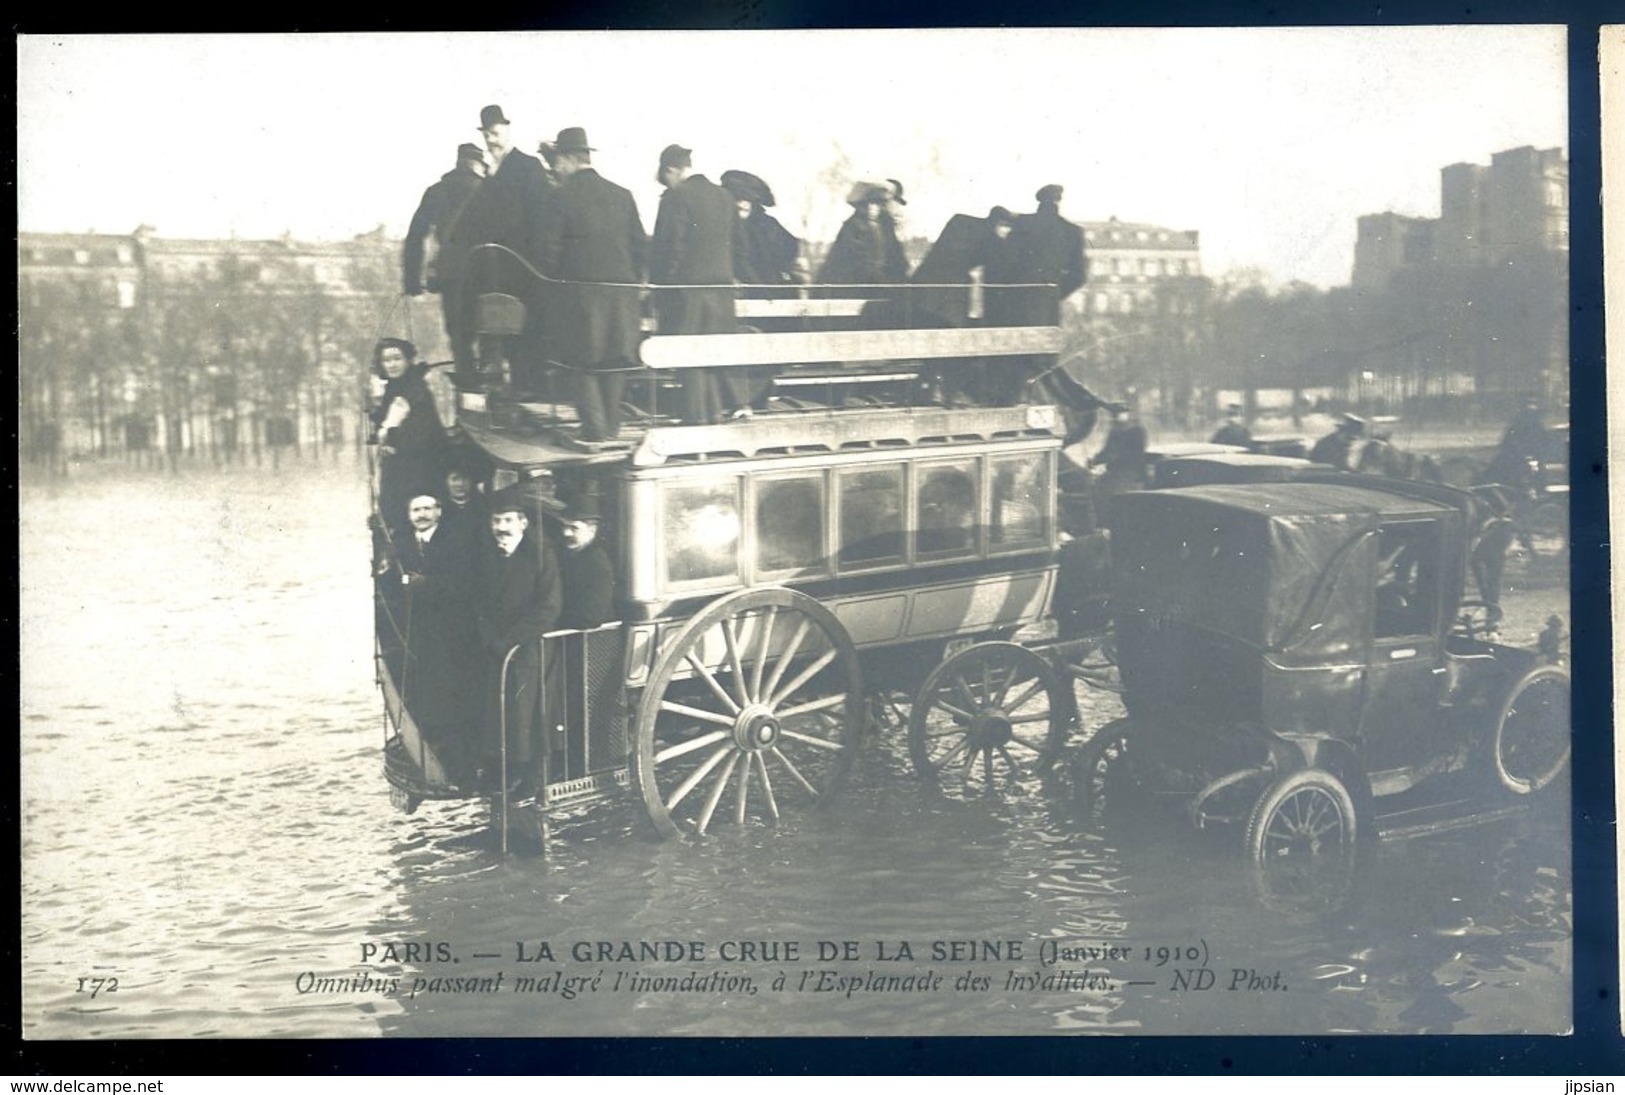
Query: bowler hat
(469,152)
(548,151)
(747,187)
(572,139)
(1000,215)
(492,115)
(675,155)
(1050,193)
(581,507)
(510,499)
(896,191)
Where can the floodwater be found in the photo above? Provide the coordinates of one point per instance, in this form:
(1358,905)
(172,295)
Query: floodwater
(209,849)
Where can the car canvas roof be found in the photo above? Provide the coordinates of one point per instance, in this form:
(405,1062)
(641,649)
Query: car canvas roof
(1305,499)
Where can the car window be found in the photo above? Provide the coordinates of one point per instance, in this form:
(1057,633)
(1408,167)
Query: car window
(1407,590)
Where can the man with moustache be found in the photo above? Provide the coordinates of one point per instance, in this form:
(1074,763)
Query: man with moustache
(511,208)
(517,601)
(435,565)
(693,246)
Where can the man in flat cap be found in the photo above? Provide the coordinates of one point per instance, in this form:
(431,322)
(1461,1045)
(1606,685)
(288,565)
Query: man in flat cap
(438,219)
(510,209)
(1233,430)
(693,247)
(596,246)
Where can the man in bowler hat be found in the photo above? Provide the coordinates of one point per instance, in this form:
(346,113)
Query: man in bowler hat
(512,209)
(517,602)
(596,245)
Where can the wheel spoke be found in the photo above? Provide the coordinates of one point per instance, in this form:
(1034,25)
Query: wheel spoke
(767,786)
(743,792)
(695,713)
(717,788)
(784,660)
(705,675)
(971,703)
(947,732)
(695,776)
(731,639)
(765,623)
(823,703)
(948,758)
(803,677)
(1009,682)
(822,743)
(1008,759)
(1025,695)
(689,746)
(954,711)
(1025,744)
(795,772)
(1036,716)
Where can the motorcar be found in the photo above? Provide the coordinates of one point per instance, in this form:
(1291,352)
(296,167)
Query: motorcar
(1295,655)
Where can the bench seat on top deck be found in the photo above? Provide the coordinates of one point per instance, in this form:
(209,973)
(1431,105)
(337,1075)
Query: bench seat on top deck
(808,347)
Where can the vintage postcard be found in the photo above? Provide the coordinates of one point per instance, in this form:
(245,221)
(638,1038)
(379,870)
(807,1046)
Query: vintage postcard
(962,532)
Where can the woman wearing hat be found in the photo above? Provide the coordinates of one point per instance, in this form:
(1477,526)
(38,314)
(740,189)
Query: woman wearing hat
(866,251)
(411,438)
(765,252)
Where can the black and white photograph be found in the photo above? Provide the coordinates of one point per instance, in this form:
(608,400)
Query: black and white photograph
(766,533)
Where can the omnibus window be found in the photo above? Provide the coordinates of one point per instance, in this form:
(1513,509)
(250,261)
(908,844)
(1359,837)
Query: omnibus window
(1020,501)
(790,524)
(701,531)
(947,516)
(871,517)
(1407,594)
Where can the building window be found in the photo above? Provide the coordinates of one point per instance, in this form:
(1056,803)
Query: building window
(1142,236)
(126,293)
(1149,267)
(1125,304)
(1103,304)
(125,254)
(82,257)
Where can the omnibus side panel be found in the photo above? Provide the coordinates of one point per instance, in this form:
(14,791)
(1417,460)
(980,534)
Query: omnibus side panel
(999,601)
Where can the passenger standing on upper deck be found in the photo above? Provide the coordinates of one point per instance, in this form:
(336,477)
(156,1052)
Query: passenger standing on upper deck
(597,245)
(966,244)
(866,250)
(519,596)
(693,247)
(438,217)
(765,252)
(512,209)
(1044,249)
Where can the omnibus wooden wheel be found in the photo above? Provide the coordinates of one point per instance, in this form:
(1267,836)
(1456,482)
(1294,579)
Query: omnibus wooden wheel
(755,707)
(990,714)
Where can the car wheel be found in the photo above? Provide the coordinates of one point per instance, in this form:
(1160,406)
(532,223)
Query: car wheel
(1530,744)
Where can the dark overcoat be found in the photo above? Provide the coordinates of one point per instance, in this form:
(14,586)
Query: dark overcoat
(596,237)
(966,242)
(863,254)
(589,587)
(765,251)
(693,245)
(1043,248)
(511,208)
(414,449)
(442,673)
(439,215)
(518,601)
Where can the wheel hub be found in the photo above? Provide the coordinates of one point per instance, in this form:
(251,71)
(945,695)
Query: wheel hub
(991,729)
(755,729)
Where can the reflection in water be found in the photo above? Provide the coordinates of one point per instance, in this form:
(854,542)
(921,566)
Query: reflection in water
(204,817)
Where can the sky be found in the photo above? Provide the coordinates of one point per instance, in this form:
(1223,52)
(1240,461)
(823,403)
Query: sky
(1269,142)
